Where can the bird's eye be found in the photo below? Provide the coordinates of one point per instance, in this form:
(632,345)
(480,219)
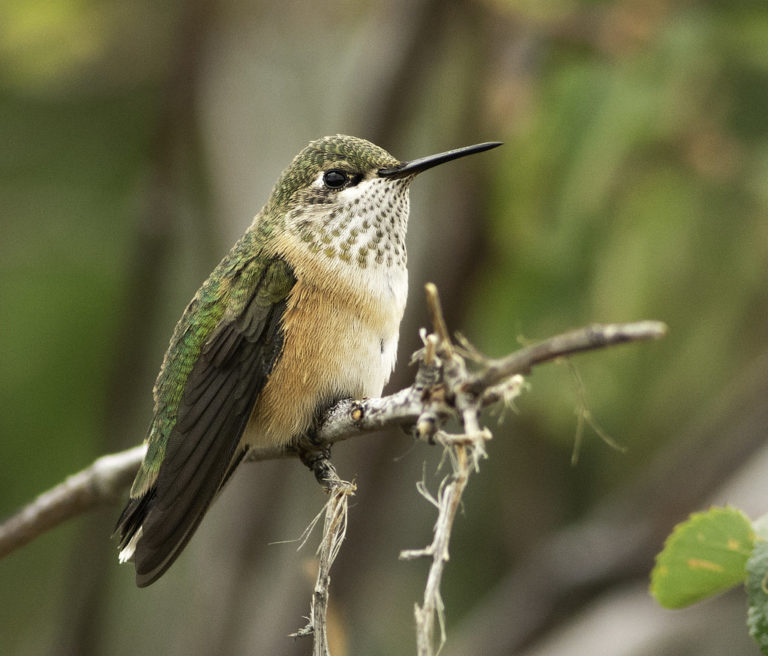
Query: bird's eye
(335,179)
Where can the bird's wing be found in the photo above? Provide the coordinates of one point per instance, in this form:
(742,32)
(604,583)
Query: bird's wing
(218,362)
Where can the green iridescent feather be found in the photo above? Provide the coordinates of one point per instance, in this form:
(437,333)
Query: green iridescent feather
(221,298)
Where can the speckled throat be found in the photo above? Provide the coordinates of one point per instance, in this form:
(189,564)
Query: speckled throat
(364,225)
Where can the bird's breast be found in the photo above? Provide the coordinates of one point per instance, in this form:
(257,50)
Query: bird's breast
(340,337)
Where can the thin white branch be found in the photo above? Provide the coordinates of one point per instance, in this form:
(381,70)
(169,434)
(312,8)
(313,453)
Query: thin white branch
(588,338)
(464,452)
(104,482)
(334,532)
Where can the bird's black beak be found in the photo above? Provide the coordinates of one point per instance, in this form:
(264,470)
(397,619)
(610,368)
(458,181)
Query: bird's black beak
(405,169)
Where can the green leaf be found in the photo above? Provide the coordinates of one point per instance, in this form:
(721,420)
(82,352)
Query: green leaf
(757,594)
(704,555)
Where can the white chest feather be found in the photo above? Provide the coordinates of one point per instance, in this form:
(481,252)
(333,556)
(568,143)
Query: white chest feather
(379,326)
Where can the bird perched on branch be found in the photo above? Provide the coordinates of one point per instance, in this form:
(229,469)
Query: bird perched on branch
(303,311)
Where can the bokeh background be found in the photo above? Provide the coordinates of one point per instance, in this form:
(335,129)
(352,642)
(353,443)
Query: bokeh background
(138,139)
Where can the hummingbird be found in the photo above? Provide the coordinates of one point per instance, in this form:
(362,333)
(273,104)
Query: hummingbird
(303,311)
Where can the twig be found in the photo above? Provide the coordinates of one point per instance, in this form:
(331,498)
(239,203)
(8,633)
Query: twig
(102,483)
(334,531)
(347,419)
(438,320)
(464,451)
(588,338)
(442,388)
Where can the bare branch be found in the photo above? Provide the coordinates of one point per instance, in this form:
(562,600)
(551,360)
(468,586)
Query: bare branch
(436,314)
(589,338)
(464,452)
(102,483)
(334,532)
(442,388)
(107,477)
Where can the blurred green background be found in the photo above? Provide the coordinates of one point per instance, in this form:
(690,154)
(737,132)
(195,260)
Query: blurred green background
(138,140)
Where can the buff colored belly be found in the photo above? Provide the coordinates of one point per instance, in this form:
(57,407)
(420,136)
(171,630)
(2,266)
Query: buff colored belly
(332,348)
